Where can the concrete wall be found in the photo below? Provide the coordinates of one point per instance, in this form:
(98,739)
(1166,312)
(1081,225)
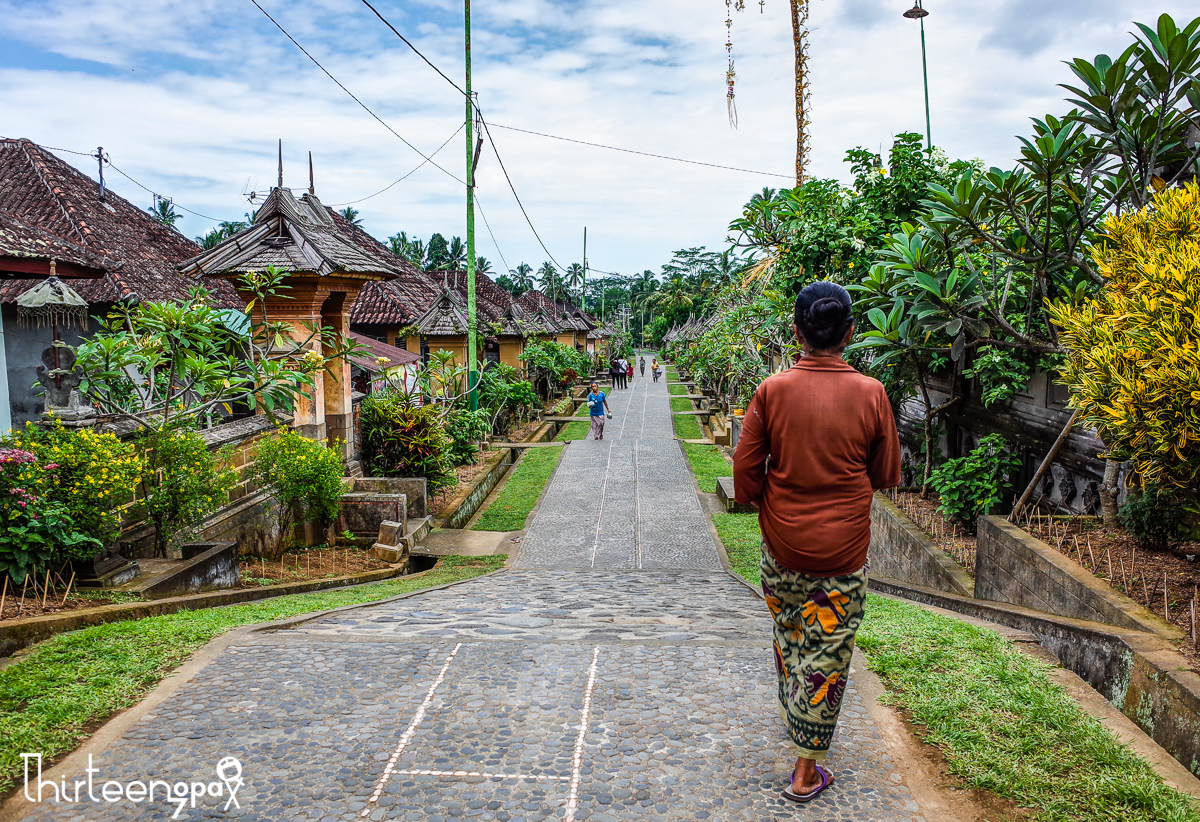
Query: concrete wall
(900,550)
(208,566)
(1012,566)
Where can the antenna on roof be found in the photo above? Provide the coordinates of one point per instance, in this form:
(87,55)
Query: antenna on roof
(281,163)
(99,155)
(312,189)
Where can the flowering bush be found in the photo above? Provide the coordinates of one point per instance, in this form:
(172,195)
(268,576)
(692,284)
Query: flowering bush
(94,474)
(303,474)
(402,439)
(35,531)
(183,482)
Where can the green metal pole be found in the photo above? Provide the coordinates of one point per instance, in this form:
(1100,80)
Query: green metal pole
(583,287)
(472,344)
(925,75)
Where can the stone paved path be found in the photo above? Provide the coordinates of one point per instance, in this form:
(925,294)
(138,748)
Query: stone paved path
(616,673)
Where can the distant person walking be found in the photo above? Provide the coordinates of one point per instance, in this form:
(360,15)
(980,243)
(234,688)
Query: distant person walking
(642,366)
(629,370)
(612,373)
(597,402)
(621,364)
(818,440)
(655,369)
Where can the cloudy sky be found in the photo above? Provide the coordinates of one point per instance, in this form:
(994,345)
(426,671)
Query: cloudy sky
(190,98)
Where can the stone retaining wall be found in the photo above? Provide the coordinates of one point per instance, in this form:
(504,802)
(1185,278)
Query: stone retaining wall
(1012,566)
(899,549)
(1140,673)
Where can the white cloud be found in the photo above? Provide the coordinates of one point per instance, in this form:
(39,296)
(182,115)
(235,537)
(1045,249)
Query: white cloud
(190,98)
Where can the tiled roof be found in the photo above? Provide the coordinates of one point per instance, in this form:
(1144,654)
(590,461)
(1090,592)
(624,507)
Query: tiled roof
(376,349)
(25,245)
(297,235)
(43,192)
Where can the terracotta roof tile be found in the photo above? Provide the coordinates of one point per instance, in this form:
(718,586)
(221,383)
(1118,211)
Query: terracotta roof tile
(42,191)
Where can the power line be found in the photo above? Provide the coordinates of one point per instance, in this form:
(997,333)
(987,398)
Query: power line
(511,187)
(155,193)
(409,174)
(642,153)
(503,261)
(414,48)
(351,94)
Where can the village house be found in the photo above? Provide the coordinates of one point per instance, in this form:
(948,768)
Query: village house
(52,212)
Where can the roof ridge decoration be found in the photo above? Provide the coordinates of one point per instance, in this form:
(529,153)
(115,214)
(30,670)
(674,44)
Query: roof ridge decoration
(299,234)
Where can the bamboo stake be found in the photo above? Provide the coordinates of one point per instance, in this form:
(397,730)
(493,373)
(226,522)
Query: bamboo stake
(68,591)
(1193,619)
(24,587)
(1166,610)
(1089,546)
(46,590)
(1108,556)
(1145,592)
(4,595)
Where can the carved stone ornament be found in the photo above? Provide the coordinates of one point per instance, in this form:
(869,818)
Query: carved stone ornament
(60,378)
(1091,498)
(1066,489)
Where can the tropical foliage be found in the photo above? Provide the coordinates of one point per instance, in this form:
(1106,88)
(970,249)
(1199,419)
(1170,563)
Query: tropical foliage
(182,482)
(303,475)
(1133,366)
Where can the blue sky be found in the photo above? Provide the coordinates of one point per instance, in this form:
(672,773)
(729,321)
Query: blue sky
(190,98)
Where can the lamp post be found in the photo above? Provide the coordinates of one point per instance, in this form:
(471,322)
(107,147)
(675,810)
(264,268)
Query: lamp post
(918,13)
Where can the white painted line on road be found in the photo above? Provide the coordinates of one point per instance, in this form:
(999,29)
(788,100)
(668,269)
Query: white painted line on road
(577,759)
(637,496)
(408,734)
(538,776)
(603,496)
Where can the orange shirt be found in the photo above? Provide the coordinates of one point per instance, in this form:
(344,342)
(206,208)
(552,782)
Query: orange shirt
(817,441)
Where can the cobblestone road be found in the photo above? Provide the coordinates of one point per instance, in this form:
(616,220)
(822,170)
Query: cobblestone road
(615,674)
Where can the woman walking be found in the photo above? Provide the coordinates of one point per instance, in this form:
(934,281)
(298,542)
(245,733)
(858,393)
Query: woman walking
(818,440)
(597,405)
(642,366)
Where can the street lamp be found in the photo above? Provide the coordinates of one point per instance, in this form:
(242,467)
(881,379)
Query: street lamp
(917,12)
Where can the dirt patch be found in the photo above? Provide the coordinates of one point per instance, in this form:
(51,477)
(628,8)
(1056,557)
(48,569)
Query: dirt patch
(465,473)
(322,562)
(22,602)
(1165,583)
(952,538)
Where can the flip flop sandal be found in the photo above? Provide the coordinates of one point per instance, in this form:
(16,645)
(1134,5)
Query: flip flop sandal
(826,781)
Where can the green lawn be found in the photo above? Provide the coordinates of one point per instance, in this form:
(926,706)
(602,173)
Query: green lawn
(76,680)
(707,463)
(573,431)
(1003,724)
(677,389)
(520,492)
(687,428)
(741,538)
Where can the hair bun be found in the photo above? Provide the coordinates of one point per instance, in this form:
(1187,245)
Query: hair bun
(826,312)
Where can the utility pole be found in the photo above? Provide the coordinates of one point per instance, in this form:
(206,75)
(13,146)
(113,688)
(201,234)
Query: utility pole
(472,354)
(583,285)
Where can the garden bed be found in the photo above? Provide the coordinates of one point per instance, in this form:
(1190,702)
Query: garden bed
(1165,583)
(1111,555)
(18,607)
(952,538)
(465,473)
(321,562)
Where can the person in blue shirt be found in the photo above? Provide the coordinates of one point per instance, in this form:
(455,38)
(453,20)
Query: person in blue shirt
(597,402)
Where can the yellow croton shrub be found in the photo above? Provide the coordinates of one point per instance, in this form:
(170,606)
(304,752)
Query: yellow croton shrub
(1133,366)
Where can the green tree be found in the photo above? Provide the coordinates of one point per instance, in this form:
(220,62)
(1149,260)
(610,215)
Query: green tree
(164,211)
(350,213)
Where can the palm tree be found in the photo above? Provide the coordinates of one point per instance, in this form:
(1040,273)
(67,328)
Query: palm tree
(575,277)
(412,250)
(550,281)
(351,215)
(223,231)
(672,297)
(482,265)
(521,276)
(164,211)
(458,254)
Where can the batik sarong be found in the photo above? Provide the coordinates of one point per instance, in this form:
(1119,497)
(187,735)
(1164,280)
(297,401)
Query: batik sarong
(815,622)
(597,426)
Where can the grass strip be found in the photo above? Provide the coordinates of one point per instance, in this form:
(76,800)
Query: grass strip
(1005,726)
(687,428)
(677,389)
(708,463)
(520,493)
(53,698)
(740,535)
(574,431)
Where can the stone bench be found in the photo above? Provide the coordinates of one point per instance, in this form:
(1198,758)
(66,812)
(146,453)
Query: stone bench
(726,496)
